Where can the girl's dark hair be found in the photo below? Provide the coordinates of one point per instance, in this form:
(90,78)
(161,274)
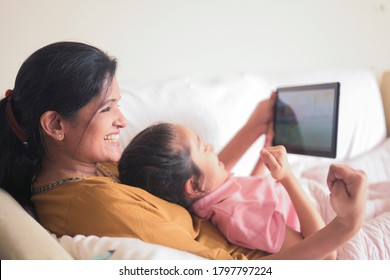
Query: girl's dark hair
(61,77)
(157,161)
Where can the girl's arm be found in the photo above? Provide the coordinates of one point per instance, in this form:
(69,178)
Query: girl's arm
(319,245)
(348,187)
(259,168)
(310,220)
(256,126)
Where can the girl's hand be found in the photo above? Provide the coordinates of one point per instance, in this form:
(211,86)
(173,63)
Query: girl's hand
(348,190)
(275,159)
(263,114)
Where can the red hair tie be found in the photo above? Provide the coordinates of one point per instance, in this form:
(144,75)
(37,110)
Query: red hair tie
(12,122)
(9,93)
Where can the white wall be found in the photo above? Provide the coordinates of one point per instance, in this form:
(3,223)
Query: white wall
(157,39)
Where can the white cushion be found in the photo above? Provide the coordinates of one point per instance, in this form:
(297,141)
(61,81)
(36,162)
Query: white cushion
(21,237)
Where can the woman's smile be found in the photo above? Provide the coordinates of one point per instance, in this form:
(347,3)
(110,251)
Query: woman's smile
(112,138)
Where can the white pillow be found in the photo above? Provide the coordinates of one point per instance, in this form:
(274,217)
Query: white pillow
(214,109)
(119,248)
(374,163)
(217,108)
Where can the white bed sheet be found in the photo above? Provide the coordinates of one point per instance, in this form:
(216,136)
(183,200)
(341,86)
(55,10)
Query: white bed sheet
(372,242)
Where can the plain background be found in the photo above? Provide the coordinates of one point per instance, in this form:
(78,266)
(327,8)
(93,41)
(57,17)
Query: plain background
(160,39)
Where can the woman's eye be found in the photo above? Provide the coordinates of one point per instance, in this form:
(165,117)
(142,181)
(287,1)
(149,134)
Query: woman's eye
(108,109)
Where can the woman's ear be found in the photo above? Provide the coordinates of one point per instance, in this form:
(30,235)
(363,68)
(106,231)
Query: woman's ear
(52,126)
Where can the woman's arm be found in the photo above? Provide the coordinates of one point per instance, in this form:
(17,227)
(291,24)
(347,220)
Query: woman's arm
(256,126)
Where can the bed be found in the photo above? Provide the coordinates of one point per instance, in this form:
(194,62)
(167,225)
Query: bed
(215,109)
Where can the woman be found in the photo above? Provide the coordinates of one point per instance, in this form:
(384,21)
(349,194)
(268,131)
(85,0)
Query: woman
(59,130)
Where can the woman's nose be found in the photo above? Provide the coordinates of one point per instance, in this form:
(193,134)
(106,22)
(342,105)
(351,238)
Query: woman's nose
(121,120)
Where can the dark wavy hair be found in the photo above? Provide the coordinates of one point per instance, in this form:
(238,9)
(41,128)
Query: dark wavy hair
(158,161)
(62,77)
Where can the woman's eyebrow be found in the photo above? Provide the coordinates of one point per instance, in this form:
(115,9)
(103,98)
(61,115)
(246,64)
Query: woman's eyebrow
(108,101)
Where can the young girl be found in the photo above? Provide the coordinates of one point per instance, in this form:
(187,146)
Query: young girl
(172,162)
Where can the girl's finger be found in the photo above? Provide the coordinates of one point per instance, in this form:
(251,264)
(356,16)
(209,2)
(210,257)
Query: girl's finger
(269,159)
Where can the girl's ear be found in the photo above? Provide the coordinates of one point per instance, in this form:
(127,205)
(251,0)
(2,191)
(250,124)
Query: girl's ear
(51,124)
(190,189)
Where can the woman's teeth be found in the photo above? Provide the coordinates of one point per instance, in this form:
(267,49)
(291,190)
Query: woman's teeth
(111,138)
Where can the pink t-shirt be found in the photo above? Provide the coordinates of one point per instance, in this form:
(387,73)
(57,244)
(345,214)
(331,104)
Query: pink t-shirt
(250,211)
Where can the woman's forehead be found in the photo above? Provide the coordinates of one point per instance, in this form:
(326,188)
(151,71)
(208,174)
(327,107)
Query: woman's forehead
(109,93)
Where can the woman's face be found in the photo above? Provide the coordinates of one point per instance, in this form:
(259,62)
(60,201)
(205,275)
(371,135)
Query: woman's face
(93,136)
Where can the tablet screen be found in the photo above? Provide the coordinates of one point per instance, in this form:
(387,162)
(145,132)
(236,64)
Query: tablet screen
(306,119)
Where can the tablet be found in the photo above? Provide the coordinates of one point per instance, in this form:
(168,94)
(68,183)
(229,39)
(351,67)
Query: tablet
(306,119)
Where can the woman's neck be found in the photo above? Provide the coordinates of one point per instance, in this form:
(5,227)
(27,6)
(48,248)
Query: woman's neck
(54,169)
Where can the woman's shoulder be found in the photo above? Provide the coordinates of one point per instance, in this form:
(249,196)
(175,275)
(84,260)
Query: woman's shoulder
(102,193)
(105,189)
